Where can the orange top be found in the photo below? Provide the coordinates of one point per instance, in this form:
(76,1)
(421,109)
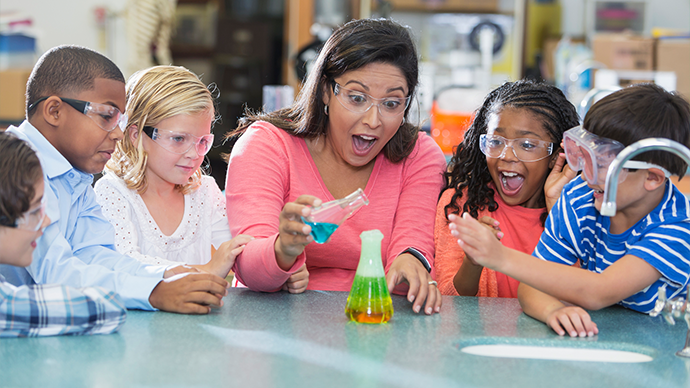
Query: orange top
(521,227)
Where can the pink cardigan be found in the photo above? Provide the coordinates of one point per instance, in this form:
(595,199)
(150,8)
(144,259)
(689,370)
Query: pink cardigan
(268,168)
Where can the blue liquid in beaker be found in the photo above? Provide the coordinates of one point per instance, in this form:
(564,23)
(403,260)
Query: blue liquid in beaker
(321,231)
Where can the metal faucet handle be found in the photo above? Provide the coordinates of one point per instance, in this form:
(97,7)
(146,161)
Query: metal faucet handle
(670,309)
(660,302)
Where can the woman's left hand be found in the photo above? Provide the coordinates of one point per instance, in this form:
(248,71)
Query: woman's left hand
(422,287)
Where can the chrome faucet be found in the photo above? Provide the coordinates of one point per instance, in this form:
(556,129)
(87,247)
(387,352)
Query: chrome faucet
(608,207)
(671,309)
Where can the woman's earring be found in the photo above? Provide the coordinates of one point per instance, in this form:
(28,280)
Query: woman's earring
(325,109)
(403,122)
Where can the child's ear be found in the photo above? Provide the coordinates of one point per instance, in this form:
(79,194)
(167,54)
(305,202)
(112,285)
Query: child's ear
(52,111)
(133,132)
(554,157)
(655,179)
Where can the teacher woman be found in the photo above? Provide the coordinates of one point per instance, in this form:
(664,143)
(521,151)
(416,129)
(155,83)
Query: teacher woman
(348,129)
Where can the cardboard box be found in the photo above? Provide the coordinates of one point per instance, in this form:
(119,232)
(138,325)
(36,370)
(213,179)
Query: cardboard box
(674,55)
(624,51)
(445,5)
(12,94)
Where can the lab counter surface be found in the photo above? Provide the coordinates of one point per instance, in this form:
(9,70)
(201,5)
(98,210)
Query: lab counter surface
(305,340)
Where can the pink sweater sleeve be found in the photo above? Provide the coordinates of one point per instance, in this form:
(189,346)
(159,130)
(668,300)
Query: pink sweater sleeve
(256,189)
(414,218)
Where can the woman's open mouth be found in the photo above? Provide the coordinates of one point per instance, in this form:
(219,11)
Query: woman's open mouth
(361,144)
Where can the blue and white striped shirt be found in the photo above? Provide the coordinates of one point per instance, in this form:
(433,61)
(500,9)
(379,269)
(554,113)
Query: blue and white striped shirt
(576,230)
(53,309)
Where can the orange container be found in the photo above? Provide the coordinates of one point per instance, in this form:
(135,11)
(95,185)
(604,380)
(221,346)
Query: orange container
(448,128)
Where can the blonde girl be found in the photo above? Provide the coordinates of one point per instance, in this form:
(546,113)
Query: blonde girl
(163,208)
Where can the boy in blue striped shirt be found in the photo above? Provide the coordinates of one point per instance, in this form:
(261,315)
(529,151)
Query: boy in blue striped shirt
(627,257)
(37,310)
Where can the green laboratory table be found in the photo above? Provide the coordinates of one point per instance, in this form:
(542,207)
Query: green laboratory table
(305,340)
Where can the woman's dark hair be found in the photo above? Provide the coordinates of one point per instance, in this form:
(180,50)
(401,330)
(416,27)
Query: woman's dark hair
(352,46)
(468,168)
(20,169)
(642,111)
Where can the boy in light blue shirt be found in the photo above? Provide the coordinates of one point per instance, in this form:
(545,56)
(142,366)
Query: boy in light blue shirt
(75,99)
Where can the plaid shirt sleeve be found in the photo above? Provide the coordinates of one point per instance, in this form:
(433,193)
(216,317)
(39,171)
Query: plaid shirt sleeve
(43,310)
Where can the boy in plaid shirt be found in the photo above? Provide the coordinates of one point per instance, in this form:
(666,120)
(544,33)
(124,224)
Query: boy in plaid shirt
(39,310)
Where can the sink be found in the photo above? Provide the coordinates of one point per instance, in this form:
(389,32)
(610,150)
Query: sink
(556,353)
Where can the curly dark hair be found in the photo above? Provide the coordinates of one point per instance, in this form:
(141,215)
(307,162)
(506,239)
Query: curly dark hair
(468,168)
(354,45)
(20,169)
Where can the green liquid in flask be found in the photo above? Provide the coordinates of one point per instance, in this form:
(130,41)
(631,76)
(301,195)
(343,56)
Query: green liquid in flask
(369,300)
(321,231)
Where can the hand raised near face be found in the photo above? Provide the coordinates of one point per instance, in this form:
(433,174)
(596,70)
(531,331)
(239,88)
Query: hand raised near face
(560,174)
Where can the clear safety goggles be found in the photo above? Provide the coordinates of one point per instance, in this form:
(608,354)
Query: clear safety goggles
(180,142)
(524,149)
(106,116)
(30,220)
(360,102)
(593,155)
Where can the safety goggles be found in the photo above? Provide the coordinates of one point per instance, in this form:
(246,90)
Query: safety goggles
(593,155)
(525,149)
(30,220)
(106,116)
(359,102)
(179,142)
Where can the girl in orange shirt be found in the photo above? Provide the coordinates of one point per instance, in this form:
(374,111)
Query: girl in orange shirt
(507,172)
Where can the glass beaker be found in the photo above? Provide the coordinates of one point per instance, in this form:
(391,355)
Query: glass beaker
(369,300)
(325,219)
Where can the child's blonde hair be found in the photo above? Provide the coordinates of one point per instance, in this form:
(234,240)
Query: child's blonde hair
(153,95)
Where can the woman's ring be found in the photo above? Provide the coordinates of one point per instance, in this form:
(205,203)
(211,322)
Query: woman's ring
(433,282)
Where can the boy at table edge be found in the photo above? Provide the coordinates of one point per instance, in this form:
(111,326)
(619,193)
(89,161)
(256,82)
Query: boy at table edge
(75,97)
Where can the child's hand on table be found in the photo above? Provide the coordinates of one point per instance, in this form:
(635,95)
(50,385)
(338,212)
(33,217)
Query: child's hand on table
(224,258)
(572,319)
(189,293)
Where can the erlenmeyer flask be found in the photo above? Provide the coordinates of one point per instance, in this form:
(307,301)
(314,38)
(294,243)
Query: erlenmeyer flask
(325,219)
(369,300)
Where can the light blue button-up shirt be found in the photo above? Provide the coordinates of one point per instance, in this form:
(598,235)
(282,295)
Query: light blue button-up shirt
(77,248)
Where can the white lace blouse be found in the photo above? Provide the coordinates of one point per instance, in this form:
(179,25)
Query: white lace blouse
(137,234)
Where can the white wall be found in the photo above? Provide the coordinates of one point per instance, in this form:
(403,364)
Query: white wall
(59,22)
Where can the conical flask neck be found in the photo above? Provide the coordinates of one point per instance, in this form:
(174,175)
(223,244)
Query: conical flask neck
(354,201)
(336,211)
(370,261)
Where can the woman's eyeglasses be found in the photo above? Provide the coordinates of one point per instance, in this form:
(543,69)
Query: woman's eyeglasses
(360,102)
